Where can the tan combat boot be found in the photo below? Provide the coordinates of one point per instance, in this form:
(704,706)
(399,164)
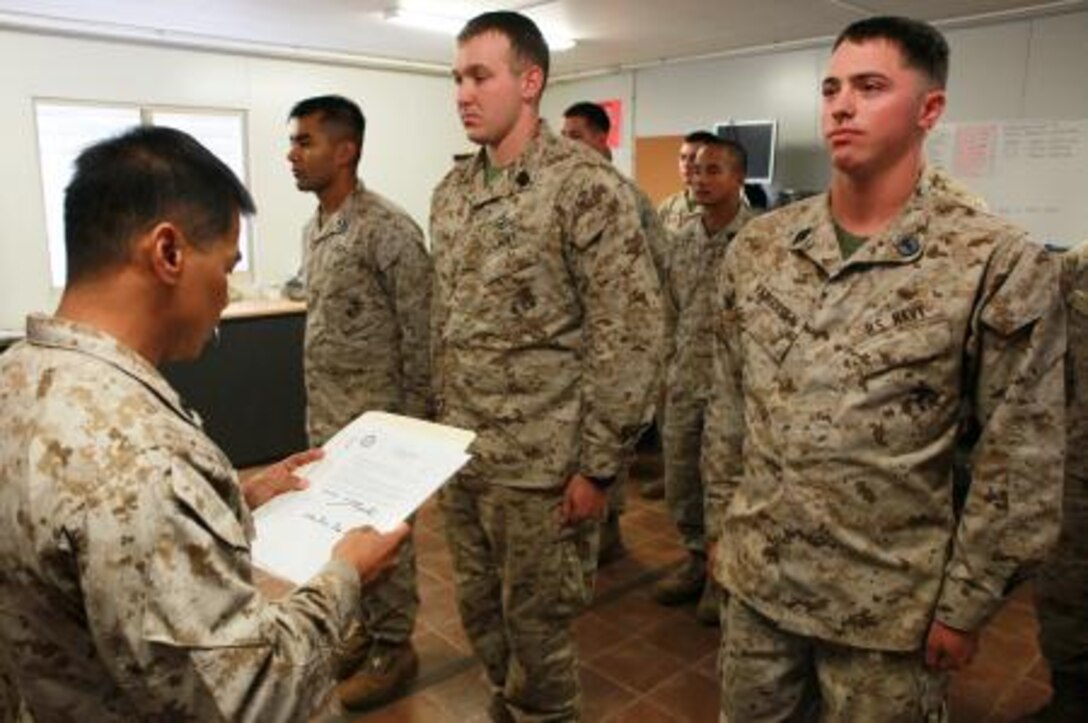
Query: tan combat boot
(684,584)
(386,672)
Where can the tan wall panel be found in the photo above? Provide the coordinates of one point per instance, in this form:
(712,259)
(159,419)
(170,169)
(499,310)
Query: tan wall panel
(655,166)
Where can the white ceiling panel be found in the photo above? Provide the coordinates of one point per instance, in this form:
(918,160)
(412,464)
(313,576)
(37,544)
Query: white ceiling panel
(610,33)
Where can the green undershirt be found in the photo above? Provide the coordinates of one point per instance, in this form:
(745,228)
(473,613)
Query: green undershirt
(848,242)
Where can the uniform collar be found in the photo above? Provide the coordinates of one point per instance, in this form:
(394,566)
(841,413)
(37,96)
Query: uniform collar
(55,333)
(340,219)
(901,243)
(516,177)
(725,235)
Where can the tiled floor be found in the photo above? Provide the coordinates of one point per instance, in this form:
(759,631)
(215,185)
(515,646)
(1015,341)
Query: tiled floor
(643,663)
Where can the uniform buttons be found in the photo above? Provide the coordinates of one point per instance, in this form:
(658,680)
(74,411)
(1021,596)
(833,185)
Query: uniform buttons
(908,246)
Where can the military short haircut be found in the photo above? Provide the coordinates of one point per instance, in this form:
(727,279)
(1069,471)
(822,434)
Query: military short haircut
(526,41)
(922,45)
(593,114)
(125,185)
(338,113)
(700,137)
(733,149)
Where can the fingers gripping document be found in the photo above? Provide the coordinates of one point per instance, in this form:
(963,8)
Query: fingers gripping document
(376,471)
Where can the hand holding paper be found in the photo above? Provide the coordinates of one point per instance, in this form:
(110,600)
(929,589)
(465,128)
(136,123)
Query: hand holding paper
(376,472)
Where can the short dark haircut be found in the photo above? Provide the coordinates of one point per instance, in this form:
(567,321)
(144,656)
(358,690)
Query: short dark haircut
(733,149)
(592,114)
(125,185)
(526,41)
(922,45)
(700,137)
(337,112)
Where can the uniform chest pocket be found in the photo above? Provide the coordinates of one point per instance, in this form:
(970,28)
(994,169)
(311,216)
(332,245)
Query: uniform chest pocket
(910,347)
(506,263)
(772,334)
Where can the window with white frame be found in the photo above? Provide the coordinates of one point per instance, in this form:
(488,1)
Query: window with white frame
(65,128)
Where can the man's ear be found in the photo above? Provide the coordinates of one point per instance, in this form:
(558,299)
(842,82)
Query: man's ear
(165,252)
(933,103)
(532,83)
(347,153)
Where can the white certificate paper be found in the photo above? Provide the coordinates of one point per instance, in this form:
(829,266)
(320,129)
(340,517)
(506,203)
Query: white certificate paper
(376,471)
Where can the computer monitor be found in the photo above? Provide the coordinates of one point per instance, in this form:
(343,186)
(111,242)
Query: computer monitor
(758,139)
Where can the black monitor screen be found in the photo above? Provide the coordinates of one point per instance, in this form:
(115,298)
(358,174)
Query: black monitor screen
(757,138)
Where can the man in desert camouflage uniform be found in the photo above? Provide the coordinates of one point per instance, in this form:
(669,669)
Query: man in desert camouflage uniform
(1062,587)
(368,285)
(680,208)
(856,329)
(720,168)
(589,124)
(547,331)
(127,591)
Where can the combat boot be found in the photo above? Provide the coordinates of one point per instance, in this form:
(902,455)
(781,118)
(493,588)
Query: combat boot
(684,584)
(611,547)
(387,671)
(653,489)
(708,611)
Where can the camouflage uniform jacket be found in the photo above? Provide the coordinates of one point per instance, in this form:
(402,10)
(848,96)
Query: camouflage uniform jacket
(368,294)
(547,325)
(677,210)
(838,389)
(1075,291)
(127,591)
(690,289)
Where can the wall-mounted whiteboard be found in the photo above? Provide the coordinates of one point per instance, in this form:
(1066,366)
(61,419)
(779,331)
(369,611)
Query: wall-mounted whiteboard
(1032,172)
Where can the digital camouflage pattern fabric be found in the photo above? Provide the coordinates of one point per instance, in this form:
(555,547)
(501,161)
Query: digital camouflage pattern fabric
(1062,587)
(547,332)
(368,301)
(690,290)
(547,325)
(677,211)
(127,592)
(839,389)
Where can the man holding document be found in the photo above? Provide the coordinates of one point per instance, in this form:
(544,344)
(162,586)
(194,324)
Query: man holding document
(127,589)
(547,330)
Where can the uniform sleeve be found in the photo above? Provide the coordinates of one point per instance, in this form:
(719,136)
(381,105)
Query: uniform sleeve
(170,600)
(623,324)
(408,280)
(1011,516)
(721,463)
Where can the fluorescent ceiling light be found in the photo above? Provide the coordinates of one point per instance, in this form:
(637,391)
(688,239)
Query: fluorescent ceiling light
(449,25)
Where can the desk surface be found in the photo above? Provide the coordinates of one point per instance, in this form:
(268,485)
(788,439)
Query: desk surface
(248,308)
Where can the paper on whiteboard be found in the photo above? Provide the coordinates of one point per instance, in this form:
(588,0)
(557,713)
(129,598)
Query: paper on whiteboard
(376,471)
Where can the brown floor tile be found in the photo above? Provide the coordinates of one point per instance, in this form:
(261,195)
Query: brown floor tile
(683,637)
(413,709)
(637,665)
(636,611)
(435,652)
(595,634)
(464,696)
(601,697)
(1026,697)
(439,608)
(689,696)
(641,711)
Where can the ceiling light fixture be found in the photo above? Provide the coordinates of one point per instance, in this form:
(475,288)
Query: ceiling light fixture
(449,25)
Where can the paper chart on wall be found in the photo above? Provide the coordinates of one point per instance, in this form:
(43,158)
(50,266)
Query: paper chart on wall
(376,471)
(1032,172)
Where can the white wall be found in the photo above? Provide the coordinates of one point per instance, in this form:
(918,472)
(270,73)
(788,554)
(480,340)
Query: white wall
(1021,69)
(412,134)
